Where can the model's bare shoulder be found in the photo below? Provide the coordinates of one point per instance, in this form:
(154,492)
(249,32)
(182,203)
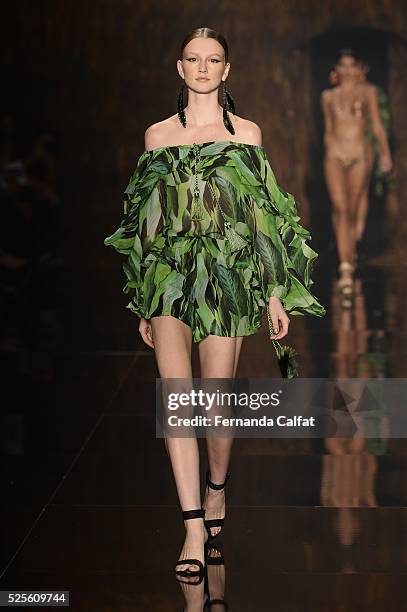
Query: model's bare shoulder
(326,94)
(153,136)
(247,131)
(368,89)
(159,134)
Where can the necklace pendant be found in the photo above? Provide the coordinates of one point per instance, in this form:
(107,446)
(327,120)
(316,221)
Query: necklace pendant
(197,213)
(236,242)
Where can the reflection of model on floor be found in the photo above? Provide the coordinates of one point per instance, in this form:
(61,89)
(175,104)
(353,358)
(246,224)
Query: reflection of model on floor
(360,347)
(351,109)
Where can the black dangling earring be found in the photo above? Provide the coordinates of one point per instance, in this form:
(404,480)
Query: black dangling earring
(228,104)
(230,101)
(181,113)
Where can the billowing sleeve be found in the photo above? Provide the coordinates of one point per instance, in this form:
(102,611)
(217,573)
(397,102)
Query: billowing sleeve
(140,225)
(286,260)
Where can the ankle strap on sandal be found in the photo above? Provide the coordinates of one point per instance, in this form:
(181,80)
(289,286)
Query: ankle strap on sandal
(346,265)
(191,514)
(214,602)
(214,485)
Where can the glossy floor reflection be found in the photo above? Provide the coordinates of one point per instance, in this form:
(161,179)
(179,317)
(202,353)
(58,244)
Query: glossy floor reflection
(89,501)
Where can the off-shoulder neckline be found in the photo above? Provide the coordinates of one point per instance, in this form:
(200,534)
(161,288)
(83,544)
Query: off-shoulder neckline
(200,144)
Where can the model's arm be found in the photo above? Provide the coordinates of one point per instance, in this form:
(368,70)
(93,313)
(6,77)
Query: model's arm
(286,259)
(278,316)
(328,121)
(378,128)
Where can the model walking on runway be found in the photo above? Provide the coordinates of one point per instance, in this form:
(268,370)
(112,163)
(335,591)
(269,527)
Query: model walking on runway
(349,156)
(211,240)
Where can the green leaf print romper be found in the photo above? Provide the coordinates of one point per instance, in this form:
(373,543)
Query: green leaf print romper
(181,206)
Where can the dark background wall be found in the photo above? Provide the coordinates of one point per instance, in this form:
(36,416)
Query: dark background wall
(98,72)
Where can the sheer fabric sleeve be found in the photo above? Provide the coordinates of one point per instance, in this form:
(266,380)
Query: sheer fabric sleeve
(286,259)
(140,225)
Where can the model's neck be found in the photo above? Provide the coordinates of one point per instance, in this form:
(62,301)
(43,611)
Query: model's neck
(203,109)
(347,85)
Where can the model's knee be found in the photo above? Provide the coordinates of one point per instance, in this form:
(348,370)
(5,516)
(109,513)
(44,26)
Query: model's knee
(341,213)
(357,205)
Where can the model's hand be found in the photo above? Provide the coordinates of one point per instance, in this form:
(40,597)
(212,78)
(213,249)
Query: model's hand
(146,332)
(278,318)
(385,163)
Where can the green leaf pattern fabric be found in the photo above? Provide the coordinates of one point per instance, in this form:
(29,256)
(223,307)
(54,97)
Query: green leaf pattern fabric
(182,267)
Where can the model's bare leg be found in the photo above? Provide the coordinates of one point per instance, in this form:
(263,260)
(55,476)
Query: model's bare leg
(172,345)
(361,215)
(341,221)
(362,209)
(219,358)
(357,184)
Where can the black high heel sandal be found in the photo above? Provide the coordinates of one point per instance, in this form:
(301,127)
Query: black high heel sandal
(200,573)
(213,561)
(218,522)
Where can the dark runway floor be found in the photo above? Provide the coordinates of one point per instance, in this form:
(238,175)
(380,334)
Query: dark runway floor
(89,502)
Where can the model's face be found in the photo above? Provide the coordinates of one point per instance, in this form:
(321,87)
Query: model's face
(347,68)
(203,58)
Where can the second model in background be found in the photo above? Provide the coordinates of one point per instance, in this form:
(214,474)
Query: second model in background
(351,114)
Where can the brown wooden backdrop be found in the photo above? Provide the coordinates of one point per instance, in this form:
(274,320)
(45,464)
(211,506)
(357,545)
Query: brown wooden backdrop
(98,72)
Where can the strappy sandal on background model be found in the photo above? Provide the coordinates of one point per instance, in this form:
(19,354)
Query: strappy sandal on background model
(188,573)
(217,522)
(218,560)
(346,284)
